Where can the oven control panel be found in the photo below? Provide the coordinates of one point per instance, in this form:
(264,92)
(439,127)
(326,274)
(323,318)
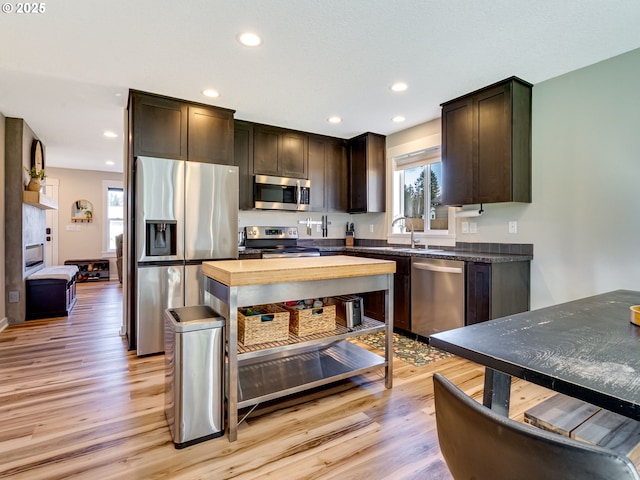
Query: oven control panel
(261,233)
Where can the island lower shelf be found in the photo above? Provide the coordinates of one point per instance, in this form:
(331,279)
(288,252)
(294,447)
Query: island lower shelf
(293,342)
(272,376)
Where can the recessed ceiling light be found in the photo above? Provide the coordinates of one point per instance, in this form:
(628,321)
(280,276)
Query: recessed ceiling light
(250,39)
(210,92)
(399,87)
(110,134)
(334,119)
(398,118)
(110,162)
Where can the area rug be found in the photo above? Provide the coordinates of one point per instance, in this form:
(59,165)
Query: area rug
(409,350)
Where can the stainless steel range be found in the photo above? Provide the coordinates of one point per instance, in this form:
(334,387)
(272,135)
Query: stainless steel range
(277,242)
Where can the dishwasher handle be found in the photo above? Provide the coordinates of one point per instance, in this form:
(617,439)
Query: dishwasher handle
(436,268)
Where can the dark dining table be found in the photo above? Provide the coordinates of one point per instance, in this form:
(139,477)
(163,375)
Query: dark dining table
(587,349)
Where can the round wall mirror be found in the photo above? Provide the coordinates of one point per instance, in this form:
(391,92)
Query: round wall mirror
(82,211)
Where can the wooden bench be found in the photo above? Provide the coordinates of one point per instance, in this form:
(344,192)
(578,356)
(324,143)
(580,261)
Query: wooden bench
(580,420)
(51,292)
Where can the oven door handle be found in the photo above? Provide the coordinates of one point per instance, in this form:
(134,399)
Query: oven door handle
(298,193)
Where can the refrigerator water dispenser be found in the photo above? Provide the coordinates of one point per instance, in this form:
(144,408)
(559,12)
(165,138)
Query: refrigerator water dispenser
(161,238)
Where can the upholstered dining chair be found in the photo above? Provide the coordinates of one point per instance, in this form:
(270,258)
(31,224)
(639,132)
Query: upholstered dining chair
(479,444)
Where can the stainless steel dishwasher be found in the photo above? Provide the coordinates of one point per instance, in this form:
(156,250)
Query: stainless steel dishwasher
(437,295)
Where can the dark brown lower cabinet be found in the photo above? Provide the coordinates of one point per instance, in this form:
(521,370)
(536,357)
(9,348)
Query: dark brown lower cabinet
(374,301)
(496,289)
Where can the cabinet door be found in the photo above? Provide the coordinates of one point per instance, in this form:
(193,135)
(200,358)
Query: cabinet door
(373,303)
(457,153)
(401,292)
(376,172)
(317,173)
(265,150)
(159,127)
(243,159)
(478,293)
(367,173)
(210,135)
(336,186)
(292,154)
(358,175)
(493,162)
(328,174)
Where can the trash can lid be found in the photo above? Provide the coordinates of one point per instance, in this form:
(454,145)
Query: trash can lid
(196,317)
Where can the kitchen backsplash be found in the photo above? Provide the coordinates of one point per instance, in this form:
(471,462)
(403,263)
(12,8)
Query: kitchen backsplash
(367,225)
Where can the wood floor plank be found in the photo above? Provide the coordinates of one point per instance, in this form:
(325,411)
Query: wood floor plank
(75,403)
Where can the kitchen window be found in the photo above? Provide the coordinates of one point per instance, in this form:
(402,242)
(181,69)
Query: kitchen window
(417,193)
(114,214)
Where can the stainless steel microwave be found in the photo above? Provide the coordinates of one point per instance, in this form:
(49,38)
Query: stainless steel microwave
(280,193)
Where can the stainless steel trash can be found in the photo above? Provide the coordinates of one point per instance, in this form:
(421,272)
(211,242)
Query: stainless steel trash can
(194,366)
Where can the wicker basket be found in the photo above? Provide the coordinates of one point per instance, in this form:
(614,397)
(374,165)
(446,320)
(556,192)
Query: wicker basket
(308,321)
(270,325)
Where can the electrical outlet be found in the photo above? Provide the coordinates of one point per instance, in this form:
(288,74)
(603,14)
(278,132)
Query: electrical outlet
(14,296)
(513,227)
(371,228)
(465,227)
(473,227)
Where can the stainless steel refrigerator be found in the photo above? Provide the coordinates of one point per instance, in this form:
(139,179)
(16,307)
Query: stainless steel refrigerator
(186,213)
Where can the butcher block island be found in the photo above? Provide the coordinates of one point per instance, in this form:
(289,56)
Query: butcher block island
(263,372)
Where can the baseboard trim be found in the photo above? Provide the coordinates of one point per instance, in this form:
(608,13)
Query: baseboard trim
(4,323)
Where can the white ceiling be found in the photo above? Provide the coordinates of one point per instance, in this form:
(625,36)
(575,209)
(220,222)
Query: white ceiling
(67,71)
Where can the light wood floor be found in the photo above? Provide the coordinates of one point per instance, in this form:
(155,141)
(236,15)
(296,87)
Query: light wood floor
(75,403)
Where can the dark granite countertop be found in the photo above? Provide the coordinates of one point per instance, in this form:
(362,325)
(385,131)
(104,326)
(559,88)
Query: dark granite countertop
(441,253)
(463,255)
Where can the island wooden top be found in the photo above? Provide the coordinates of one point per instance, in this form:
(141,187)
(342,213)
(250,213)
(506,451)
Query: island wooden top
(237,273)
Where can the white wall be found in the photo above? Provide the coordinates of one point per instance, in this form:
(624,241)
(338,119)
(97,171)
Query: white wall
(584,220)
(87,241)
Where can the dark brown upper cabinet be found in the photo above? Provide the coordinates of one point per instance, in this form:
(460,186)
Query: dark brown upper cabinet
(210,135)
(486,145)
(280,152)
(367,173)
(243,159)
(328,174)
(159,126)
(172,128)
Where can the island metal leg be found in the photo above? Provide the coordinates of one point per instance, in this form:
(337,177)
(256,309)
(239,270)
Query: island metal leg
(388,351)
(232,365)
(497,391)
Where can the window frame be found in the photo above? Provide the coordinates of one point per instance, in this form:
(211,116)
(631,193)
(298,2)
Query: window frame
(407,156)
(106,186)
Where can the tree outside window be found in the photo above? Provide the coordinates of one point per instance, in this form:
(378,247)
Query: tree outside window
(423,205)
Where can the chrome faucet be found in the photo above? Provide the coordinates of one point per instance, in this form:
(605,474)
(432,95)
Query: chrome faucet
(413,242)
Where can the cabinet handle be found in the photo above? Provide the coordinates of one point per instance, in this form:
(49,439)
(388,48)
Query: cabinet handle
(435,268)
